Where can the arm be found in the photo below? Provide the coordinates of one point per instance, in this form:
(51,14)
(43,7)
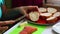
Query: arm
(4,8)
(26,8)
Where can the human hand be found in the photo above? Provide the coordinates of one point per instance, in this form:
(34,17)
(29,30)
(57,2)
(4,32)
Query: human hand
(3,23)
(27,9)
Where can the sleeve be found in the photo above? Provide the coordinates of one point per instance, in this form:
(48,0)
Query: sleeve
(0,12)
(3,2)
(12,15)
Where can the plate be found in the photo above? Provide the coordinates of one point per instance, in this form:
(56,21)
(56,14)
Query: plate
(56,28)
(40,24)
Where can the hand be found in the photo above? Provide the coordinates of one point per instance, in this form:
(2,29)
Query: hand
(3,23)
(25,8)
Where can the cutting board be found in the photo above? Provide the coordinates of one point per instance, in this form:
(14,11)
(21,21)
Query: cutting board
(18,29)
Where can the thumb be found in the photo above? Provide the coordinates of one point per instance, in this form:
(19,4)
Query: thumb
(3,28)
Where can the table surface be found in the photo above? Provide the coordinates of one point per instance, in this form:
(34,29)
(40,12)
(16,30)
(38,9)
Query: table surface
(48,29)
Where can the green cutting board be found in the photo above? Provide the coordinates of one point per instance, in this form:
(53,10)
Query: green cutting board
(40,29)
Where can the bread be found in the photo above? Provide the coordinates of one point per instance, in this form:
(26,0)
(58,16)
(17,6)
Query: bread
(51,19)
(57,14)
(51,10)
(42,10)
(34,16)
(45,15)
(24,24)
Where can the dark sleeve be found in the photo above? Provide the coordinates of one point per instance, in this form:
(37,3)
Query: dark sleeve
(12,14)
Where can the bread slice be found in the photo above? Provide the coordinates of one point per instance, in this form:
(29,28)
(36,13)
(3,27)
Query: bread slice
(57,14)
(34,16)
(45,15)
(51,10)
(42,10)
(51,19)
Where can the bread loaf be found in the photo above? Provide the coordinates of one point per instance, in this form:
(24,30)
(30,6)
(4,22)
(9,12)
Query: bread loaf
(34,16)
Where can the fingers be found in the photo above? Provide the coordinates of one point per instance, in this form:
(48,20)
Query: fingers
(33,8)
(23,10)
(29,7)
(2,23)
(7,22)
(3,28)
